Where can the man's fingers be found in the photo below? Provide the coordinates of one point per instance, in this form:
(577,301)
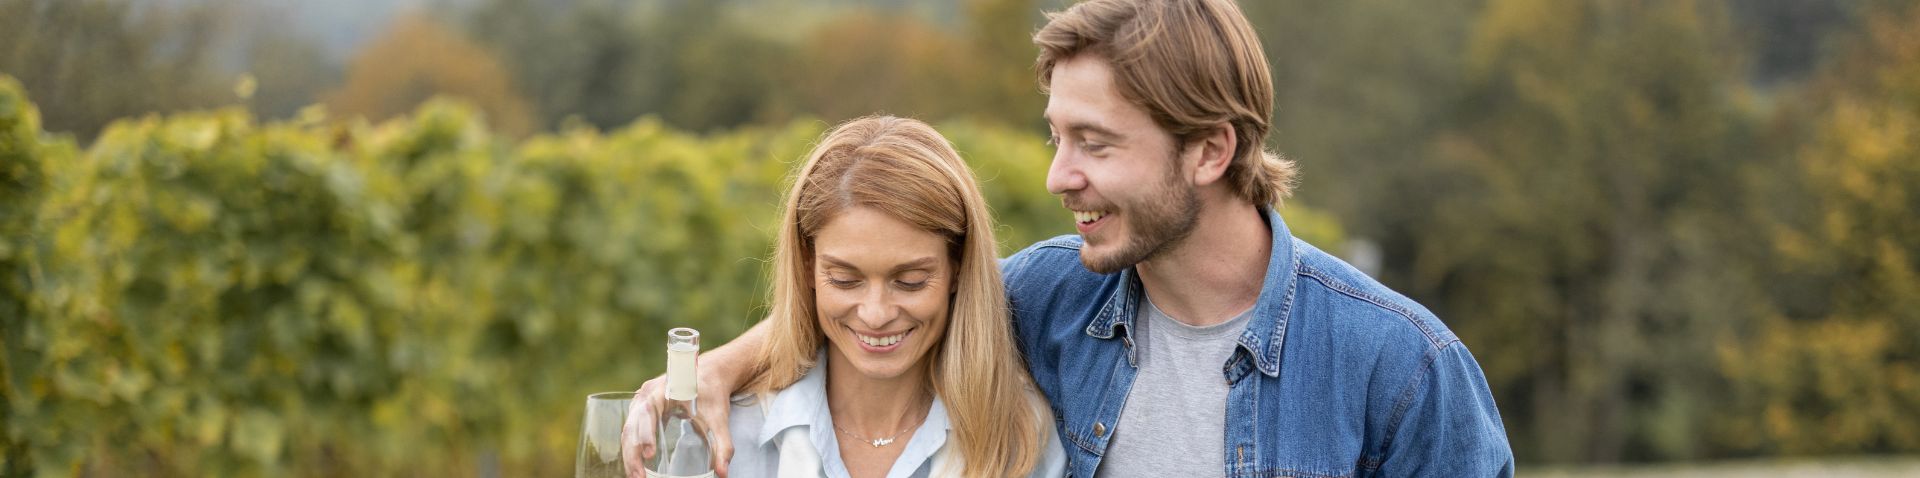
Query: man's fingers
(640,422)
(722,453)
(632,450)
(719,437)
(637,436)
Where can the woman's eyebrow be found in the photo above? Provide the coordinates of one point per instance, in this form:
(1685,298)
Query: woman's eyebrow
(921,263)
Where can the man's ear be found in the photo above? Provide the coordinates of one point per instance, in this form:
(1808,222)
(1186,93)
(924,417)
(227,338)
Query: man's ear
(1211,154)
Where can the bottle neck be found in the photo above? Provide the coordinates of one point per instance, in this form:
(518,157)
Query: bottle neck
(681,378)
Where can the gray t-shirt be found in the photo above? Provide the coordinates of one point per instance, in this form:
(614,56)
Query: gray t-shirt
(1174,422)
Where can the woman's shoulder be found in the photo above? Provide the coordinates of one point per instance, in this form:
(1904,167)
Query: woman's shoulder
(752,454)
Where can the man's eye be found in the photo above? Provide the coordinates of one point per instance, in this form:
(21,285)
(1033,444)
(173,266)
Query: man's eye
(1053,141)
(1093,148)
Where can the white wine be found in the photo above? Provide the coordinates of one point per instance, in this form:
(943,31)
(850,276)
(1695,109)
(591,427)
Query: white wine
(682,439)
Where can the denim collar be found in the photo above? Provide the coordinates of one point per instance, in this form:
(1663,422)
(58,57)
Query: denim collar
(1266,331)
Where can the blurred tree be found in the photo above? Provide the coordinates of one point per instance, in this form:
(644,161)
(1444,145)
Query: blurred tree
(1834,364)
(24,157)
(713,64)
(609,63)
(1786,38)
(865,63)
(417,59)
(1589,134)
(292,71)
(1000,37)
(577,59)
(721,72)
(89,62)
(1355,106)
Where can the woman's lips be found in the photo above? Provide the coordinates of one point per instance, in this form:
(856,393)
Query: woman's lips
(881,343)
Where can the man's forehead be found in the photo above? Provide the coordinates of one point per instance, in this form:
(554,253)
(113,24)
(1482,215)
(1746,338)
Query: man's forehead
(1078,93)
(1085,76)
(1083,99)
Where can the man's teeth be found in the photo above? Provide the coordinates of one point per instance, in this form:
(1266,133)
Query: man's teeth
(1084,217)
(881,341)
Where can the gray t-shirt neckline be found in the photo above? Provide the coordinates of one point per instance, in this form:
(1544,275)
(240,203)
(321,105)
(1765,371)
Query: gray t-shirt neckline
(1174,421)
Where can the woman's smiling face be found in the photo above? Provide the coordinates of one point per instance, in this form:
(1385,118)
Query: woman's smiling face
(881,290)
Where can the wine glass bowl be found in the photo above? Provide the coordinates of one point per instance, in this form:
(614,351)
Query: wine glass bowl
(599,452)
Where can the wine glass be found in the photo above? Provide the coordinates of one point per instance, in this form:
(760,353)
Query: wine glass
(599,454)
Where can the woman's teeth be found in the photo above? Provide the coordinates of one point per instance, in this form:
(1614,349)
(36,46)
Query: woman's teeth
(881,341)
(1084,217)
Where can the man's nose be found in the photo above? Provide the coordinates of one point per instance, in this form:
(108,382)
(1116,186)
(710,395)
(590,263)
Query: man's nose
(1063,175)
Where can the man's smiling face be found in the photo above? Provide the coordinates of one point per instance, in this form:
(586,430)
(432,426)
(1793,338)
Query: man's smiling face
(1117,170)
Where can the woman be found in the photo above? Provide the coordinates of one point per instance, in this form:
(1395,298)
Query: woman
(890,351)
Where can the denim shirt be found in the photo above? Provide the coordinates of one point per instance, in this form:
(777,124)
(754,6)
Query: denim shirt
(1335,375)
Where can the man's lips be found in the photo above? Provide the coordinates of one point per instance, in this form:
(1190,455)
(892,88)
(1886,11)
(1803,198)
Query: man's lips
(1088,216)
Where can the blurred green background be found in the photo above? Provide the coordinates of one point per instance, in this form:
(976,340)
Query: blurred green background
(392,237)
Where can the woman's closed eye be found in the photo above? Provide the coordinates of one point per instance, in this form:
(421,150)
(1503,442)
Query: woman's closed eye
(913,280)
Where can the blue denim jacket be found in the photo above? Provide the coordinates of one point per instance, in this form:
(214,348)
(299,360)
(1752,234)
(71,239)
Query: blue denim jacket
(1336,375)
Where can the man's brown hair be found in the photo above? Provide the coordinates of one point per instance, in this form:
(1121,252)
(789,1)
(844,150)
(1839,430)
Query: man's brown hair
(1192,64)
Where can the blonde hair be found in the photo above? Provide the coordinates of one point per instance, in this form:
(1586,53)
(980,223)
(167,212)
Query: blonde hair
(903,168)
(1192,64)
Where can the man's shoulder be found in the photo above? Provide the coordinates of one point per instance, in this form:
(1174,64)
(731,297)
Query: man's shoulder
(1329,289)
(1065,245)
(1046,262)
(1046,282)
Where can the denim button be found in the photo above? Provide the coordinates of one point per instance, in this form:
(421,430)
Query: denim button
(1099,430)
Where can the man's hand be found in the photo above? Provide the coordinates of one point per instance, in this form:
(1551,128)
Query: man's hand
(722,372)
(637,437)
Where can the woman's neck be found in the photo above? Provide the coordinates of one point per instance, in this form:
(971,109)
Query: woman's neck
(873,407)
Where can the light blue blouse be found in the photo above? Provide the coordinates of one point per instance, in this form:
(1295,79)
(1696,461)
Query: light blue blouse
(757,429)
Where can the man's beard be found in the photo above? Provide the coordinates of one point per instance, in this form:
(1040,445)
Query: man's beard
(1154,225)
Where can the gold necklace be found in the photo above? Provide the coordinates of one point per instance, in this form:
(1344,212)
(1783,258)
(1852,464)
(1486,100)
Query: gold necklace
(879,442)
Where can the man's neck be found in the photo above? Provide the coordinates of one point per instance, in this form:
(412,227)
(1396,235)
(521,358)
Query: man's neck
(875,408)
(1216,272)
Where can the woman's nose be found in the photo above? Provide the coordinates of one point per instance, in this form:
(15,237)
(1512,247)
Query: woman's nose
(875,310)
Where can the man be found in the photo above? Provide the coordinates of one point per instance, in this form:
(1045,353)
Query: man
(1184,331)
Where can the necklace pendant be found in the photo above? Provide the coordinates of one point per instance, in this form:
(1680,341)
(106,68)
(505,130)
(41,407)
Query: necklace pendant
(880,442)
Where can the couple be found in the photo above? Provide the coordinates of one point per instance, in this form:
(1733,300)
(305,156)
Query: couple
(1182,332)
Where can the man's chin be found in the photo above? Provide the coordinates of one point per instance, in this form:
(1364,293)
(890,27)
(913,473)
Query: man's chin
(1101,263)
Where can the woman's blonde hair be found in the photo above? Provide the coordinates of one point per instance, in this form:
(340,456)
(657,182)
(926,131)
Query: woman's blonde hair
(904,169)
